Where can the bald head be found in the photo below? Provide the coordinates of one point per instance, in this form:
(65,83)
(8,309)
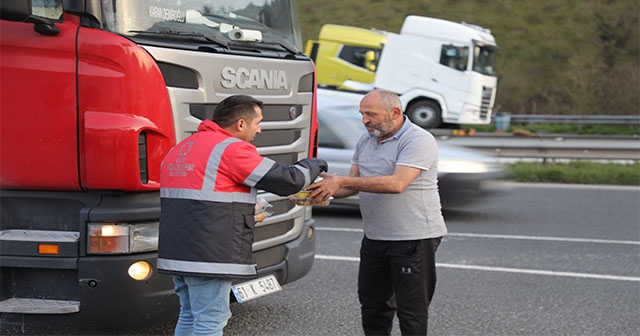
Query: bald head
(385,99)
(381,113)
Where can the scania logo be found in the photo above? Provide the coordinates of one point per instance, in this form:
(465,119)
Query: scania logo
(244,78)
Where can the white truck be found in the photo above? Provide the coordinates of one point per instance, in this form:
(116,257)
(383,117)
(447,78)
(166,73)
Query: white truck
(443,71)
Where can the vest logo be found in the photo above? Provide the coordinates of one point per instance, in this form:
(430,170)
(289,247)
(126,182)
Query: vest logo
(244,78)
(185,148)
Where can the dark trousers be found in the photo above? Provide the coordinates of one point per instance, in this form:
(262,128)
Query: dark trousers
(396,277)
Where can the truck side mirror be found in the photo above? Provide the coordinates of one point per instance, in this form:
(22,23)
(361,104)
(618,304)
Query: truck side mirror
(22,11)
(15,10)
(43,26)
(370,60)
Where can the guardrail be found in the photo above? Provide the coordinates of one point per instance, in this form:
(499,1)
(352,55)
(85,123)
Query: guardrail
(552,147)
(633,120)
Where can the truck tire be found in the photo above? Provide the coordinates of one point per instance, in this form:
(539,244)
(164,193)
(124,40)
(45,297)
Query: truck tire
(425,113)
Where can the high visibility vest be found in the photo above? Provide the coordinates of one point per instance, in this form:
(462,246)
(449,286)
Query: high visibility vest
(207,204)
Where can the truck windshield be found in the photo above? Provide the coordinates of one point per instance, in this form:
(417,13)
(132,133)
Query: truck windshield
(483,59)
(272,23)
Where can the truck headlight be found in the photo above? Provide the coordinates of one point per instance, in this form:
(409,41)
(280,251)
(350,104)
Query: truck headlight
(121,238)
(140,270)
(455,166)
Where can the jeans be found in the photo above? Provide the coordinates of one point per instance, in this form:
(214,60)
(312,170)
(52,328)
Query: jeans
(204,305)
(396,277)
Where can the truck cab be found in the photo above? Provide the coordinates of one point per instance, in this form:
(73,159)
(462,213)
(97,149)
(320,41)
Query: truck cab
(443,71)
(344,53)
(94,94)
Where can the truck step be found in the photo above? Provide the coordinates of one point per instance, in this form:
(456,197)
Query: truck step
(38,306)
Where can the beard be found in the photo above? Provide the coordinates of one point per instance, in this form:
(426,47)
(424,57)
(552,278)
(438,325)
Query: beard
(375,132)
(381,130)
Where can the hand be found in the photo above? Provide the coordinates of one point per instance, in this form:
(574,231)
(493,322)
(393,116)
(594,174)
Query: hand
(308,163)
(325,188)
(323,165)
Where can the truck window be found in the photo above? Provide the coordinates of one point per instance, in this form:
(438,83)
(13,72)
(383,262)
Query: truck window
(51,9)
(454,57)
(483,60)
(169,20)
(358,55)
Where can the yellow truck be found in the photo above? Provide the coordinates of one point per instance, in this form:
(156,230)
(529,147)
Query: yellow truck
(346,53)
(443,71)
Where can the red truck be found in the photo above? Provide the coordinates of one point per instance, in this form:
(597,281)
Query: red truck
(93,94)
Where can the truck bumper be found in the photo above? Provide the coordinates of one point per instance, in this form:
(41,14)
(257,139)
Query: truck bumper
(95,296)
(299,256)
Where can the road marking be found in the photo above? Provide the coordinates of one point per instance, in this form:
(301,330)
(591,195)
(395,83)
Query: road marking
(574,186)
(338,229)
(496,236)
(505,269)
(339,258)
(541,272)
(575,240)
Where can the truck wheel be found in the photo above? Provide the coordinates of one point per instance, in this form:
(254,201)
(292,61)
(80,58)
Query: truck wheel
(425,113)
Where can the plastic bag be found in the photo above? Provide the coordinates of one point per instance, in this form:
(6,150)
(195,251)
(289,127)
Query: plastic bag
(261,209)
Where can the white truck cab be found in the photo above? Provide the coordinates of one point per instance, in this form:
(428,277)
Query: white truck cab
(442,70)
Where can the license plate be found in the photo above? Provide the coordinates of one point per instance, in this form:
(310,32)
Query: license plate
(255,288)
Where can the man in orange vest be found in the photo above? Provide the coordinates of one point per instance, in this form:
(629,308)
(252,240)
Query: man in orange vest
(208,191)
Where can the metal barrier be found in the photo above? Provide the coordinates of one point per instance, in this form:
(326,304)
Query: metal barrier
(632,120)
(550,147)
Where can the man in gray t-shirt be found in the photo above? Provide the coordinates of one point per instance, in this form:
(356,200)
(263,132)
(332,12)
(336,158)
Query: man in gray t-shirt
(394,170)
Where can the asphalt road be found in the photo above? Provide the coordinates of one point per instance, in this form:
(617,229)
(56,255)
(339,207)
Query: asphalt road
(539,260)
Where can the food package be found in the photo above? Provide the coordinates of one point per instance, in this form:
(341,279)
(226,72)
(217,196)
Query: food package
(261,209)
(301,198)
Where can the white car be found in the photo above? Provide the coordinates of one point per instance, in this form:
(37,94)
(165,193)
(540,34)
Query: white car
(463,174)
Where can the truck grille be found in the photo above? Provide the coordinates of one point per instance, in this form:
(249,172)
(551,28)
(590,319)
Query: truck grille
(276,136)
(487,93)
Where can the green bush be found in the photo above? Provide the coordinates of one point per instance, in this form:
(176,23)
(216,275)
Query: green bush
(582,172)
(562,128)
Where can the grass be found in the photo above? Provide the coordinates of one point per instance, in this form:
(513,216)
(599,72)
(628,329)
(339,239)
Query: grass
(580,172)
(565,128)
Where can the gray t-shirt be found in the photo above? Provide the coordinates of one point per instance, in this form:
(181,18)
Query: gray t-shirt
(416,212)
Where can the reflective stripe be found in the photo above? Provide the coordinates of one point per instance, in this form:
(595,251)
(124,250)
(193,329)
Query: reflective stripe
(205,267)
(207,192)
(259,172)
(211,171)
(211,196)
(307,176)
